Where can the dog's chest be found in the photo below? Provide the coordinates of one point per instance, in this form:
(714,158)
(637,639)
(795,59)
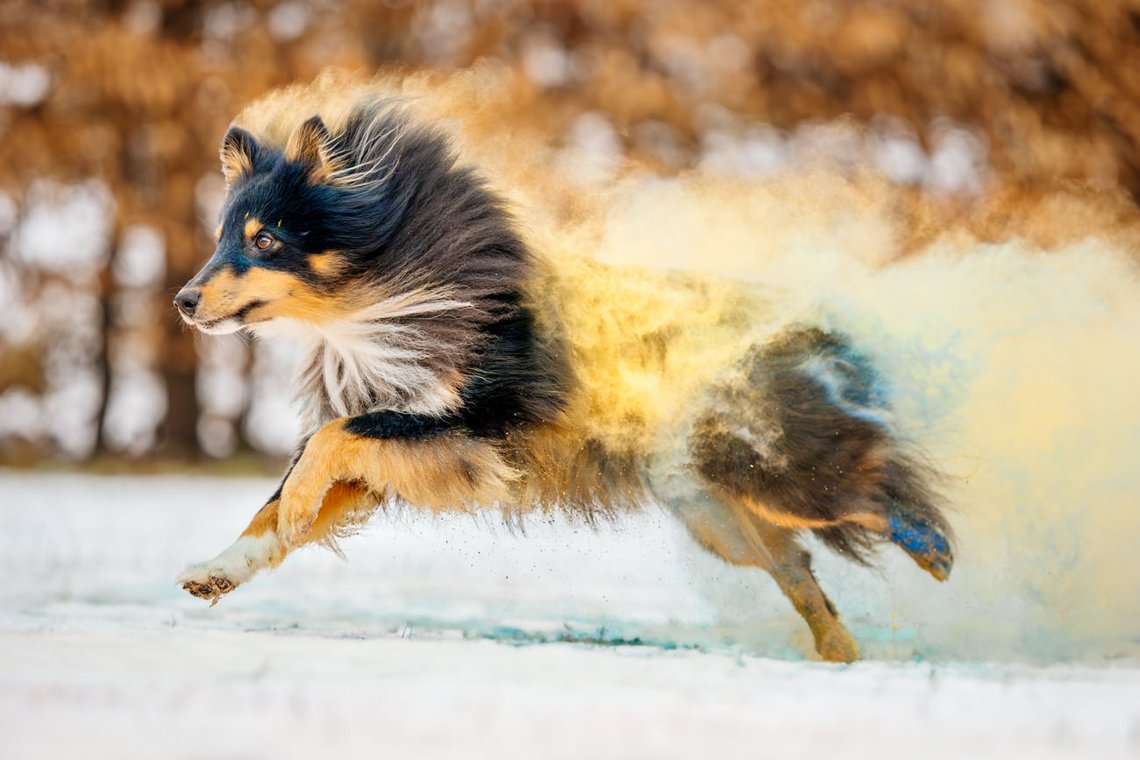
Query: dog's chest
(349,372)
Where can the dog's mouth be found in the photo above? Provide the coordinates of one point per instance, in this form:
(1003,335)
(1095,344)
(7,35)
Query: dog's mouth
(228,323)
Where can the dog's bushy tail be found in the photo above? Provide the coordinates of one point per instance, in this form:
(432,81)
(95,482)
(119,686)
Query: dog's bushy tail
(803,435)
(915,522)
(906,487)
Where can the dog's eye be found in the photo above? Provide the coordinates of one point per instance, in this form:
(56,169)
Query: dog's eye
(263,241)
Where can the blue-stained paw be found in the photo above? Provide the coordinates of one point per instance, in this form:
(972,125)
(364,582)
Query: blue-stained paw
(926,546)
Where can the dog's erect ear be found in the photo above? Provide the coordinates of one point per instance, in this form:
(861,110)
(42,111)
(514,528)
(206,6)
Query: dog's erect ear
(239,153)
(312,147)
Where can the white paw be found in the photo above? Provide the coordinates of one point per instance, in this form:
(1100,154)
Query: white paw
(205,585)
(228,570)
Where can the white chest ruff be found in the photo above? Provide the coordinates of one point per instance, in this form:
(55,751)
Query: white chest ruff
(373,361)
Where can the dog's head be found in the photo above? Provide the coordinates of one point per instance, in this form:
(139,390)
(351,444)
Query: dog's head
(280,241)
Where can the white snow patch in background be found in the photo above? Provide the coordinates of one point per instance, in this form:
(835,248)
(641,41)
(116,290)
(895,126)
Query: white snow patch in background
(546,62)
(272,423)
(67,408)
(104,657)
(288,20)
(443,28)
(220,385)
(221,390)
(223,23)
(136,405)
(758,152)
(593,152)
(897,153)
(23,84)
(143,17)
(960,161)
(141,262)
(209,197)
(21,413)
(268,422)
(958,164)
(16,323)
(76,248)
(8,213)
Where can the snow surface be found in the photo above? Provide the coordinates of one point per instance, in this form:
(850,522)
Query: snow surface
(443,637)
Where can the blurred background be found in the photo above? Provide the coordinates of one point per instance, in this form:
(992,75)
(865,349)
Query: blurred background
(952,182)
(1000,118)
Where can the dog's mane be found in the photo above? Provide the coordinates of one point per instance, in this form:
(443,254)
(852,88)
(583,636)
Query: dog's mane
(437,272)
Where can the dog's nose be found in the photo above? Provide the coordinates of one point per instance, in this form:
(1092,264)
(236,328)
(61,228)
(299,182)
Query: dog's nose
(187,300)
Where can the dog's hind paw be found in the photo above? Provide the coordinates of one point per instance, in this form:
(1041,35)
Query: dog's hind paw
(929,549)
(837,646)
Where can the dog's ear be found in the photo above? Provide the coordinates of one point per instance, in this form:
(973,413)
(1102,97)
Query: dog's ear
(312,147)
(239,154)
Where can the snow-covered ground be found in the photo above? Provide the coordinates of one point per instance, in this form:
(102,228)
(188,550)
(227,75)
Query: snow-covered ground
(455,637)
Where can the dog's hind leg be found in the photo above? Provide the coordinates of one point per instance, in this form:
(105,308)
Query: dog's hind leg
(791,568)
(799,436)
(733,534)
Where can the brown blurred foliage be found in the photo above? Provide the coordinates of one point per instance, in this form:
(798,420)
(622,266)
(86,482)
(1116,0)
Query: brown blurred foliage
(140,92)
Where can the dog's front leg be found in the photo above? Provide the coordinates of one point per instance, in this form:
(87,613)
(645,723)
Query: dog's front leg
(326,458)
(257,548)
(347,466)
(427,462)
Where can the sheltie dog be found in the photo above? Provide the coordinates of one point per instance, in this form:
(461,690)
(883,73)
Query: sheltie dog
(448,365)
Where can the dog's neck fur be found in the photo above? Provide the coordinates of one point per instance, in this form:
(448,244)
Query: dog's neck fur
(389,356)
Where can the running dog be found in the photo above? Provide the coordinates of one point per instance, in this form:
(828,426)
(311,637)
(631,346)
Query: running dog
(449,366)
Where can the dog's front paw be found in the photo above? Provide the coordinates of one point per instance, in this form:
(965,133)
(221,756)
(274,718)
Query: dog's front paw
(206,582)
(233,567)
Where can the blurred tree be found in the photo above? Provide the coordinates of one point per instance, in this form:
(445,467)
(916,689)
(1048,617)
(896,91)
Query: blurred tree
(136,94)
(139,95)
